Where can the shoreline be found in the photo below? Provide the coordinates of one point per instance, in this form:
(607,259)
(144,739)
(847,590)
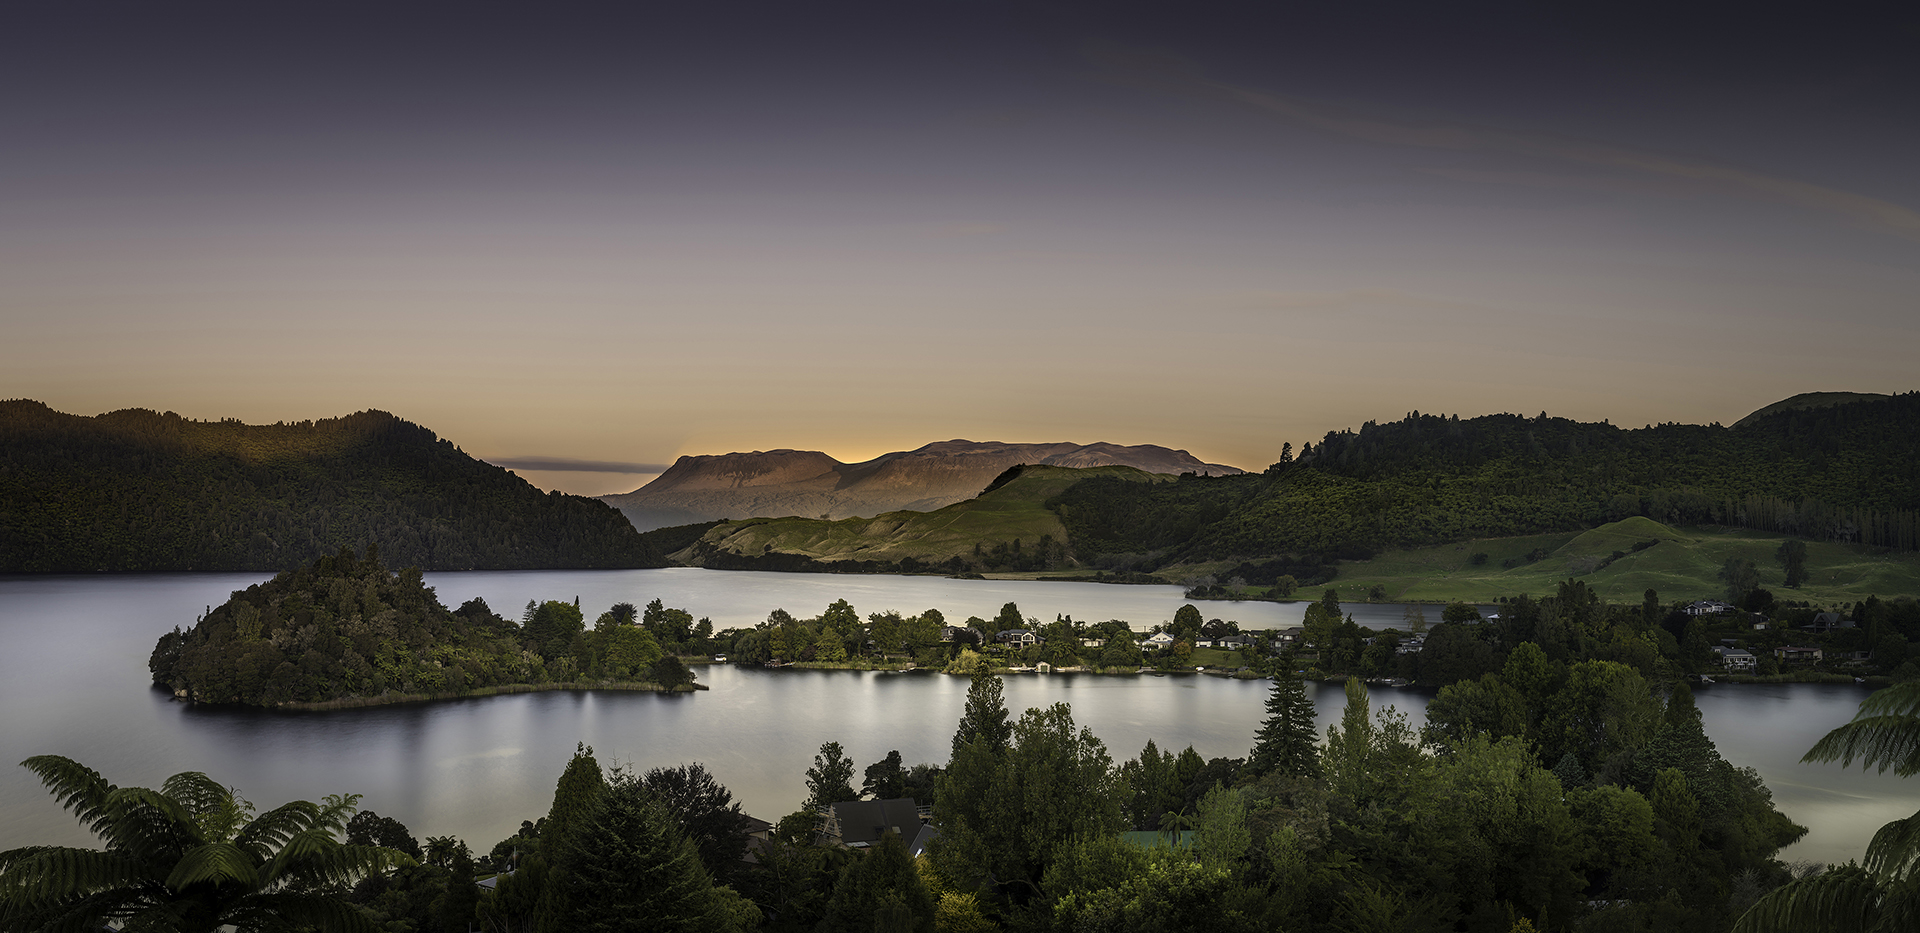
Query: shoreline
(396,699)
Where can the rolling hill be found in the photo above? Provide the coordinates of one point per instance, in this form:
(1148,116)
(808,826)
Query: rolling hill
(776,483)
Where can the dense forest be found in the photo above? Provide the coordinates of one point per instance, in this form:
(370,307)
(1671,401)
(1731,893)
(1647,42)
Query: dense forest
(1848,473)
(346,627)
(136,490)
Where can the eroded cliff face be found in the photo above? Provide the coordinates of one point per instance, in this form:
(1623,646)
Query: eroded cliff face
(777,483)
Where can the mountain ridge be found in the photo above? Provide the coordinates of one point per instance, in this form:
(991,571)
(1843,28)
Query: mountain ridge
(787,482)
(139,490)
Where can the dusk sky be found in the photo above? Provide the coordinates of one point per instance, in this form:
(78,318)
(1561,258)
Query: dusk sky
(620,233)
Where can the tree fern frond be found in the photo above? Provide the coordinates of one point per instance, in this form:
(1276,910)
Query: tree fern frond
(1895,850)
(1884,733)
(323,913)
(335,812)
(76,787)
(1842,900)
(57,871)
(146,825)
(195,791)
(1897,700)
(218,863)
(314,857)
(269,831)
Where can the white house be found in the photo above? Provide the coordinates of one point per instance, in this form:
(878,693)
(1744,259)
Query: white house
(1737,660)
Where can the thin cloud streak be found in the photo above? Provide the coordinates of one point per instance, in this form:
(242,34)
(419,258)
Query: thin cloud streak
(1162,72)
(570,465)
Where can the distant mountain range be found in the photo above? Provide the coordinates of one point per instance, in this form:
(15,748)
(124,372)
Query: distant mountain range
(776,483)
(138,490)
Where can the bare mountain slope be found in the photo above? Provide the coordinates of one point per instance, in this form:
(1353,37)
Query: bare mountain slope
(778,483)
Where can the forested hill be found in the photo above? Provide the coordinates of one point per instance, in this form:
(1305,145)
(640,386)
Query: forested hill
(136,490)
(1848,472)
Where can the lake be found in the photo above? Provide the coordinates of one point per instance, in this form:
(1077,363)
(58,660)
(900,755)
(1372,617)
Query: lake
(73,681)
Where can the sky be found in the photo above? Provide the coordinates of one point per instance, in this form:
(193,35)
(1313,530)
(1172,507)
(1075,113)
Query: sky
(581,240)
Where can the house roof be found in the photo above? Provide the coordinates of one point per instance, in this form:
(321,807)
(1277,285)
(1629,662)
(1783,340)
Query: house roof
(926,835)
(863,822)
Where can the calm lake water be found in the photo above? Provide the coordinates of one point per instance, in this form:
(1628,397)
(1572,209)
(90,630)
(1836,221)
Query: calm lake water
(73,681)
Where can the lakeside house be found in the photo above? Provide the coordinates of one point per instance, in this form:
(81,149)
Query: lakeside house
(1019,637)
(1735,660)
(1159,640)
(1795,654)
(966,633)
(1708,607)
(858,824)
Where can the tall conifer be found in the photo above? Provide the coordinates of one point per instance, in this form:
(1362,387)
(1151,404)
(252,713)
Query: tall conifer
(1286,742)
(986,713)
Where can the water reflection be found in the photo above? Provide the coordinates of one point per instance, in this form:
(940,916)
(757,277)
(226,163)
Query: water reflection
(73,682)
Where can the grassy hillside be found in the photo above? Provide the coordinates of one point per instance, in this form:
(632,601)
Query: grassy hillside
(1684,565)
(1012,511)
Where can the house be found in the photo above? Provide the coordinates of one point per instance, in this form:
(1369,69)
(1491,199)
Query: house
(966,633)
(1159,640)
(1791,653)
(1827,622)
(1737,660)
(759,837)
(1708,607)
(1411,645)
(1093,643)
(857,824)
(1019,637)
(1232,642)
(1288,636)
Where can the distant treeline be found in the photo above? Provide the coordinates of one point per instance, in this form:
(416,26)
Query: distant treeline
(1849,473)
(136,490)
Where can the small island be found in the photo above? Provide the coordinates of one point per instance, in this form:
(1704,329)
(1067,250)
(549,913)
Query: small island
(345,631)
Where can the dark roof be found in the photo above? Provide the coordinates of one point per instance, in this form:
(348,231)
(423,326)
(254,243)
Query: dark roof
(926,835)
(865,821)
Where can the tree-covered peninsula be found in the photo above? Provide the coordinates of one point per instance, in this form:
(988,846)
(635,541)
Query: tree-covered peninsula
(137,490)
(346,631)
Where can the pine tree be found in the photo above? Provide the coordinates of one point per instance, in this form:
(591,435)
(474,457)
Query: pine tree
(1286,743)
(627,867)
(986,714)
(573,797)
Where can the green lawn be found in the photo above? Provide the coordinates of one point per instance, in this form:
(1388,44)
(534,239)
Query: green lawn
(1684,565)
